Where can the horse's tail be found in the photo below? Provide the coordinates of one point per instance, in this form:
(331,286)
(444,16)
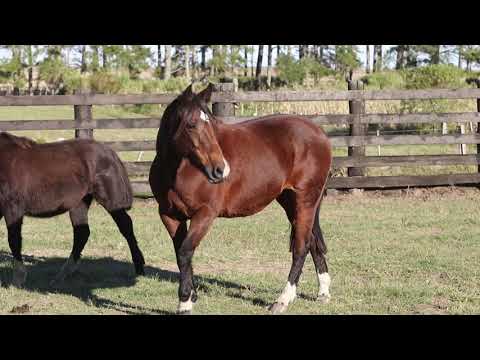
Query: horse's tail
(317,232)
(128,191)
(113,188)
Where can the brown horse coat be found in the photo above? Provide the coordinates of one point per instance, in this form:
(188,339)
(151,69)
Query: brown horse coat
(205,169)
(42,180)
(265,158)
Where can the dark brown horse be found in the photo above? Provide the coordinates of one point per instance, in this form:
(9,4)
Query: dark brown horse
(44,180)
(205,169)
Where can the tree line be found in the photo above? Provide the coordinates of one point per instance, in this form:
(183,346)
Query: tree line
(292,62)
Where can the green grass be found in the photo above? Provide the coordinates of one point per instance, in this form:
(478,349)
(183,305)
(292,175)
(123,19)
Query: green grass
(411,252)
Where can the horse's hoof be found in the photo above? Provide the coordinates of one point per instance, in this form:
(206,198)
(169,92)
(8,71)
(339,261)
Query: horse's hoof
(140,271)
(323,298)
(277,308)
(19,274)
(186,312)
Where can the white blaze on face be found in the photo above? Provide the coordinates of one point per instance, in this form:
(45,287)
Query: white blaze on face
(288,295)
(204,116)
(324,285)
(184,306)
(226,170)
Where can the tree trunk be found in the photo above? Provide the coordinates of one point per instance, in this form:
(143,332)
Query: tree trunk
(252,62)
(400,60)
(301,51)
(436,55)
(104,58)
(203,61)
(95,63)
(320,54)
(258,71)
(212,67)
(245,66)
(194,61)
(377,60)
(269,66)
(159,57)
(411,56)
(168,62)
(459,57)
(187,61)
(367,62)
(83,66)
(30,68)
(278,51)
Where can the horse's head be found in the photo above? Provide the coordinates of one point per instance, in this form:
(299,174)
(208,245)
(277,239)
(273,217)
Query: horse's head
(192,130)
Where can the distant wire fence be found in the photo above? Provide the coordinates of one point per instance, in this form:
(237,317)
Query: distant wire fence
(355,138)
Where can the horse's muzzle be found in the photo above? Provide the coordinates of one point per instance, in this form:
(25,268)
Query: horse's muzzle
(217,174)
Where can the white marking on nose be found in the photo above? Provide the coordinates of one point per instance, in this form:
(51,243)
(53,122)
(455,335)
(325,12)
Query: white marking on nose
(226,170)
(204,116)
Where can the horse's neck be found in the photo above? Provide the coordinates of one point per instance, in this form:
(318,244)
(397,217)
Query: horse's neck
(170,161)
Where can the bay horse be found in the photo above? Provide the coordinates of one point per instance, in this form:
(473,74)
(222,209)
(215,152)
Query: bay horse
(205,168)
(45,180)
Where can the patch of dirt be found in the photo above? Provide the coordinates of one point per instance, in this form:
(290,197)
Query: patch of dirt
(25,308)
(439,306)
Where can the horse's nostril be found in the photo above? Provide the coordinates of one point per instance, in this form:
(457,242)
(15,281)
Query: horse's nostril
(218,172)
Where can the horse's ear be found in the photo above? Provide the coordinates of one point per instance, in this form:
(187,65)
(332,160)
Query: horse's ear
(206,94)
(188,91)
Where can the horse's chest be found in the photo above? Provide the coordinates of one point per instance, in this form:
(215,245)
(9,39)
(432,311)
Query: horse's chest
(179,204)
(173,201)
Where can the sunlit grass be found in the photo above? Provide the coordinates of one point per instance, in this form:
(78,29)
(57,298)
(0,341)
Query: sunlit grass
(414,252)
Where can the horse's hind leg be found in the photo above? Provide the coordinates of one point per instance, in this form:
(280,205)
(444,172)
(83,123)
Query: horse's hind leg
(81,233)
(318,249)
(124,223)
(300,211)
(15,243)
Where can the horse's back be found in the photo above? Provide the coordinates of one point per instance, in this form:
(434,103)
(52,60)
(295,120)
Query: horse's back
(63,173)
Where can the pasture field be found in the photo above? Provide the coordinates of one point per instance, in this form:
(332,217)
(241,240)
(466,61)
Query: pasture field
(408,252)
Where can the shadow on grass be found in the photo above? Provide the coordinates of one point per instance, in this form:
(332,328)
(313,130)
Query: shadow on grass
(104,273)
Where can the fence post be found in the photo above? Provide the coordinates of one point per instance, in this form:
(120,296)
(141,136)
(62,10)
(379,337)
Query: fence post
(83,116)
(478,124)
(356,108)
(223,109)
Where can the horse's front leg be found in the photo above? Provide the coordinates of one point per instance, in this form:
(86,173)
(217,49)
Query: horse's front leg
(185,244)
(15,242)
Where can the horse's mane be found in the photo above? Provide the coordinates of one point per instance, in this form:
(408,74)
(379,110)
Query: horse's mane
(169,124)
(22,142)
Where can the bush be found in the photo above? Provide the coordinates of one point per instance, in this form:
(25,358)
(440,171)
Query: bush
(103,82)
(384,80)
(290,70)
(434,76)
(431,77)
(250,83)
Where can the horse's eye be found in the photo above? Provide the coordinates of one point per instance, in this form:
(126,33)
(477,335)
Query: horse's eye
(190,125)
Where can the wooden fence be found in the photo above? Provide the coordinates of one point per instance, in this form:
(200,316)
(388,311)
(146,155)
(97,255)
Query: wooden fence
(223,106)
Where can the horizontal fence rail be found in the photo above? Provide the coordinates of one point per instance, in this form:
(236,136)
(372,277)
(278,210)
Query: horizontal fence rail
(84,124)
(154,123)
(247,96)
